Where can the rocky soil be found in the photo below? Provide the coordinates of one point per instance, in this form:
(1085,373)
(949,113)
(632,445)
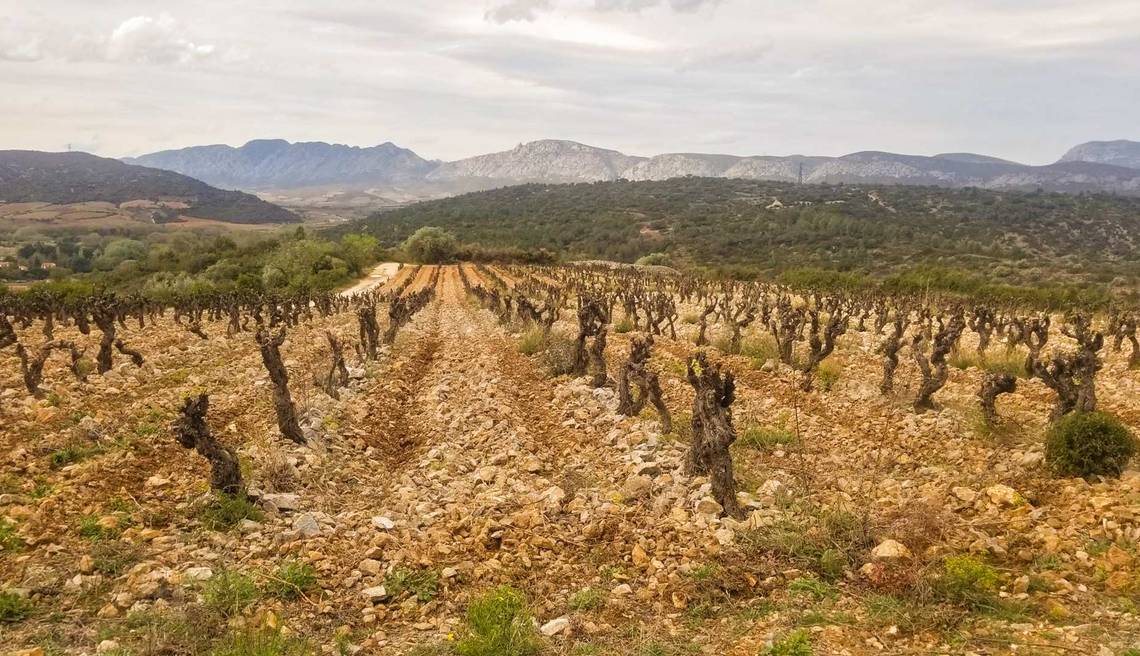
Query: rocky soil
(456,464)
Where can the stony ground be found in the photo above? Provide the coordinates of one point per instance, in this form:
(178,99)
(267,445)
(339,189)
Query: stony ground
(456,464)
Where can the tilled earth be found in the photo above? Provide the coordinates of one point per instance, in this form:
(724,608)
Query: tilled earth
(457,463)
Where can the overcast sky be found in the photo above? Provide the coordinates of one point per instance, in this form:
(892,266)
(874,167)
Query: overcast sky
(1022,79)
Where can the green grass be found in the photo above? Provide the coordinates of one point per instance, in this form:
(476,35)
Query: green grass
(421,583)
(229,592)
(261,642)
(827,374)
(9,539)
(114,558)
(70,454)
(587,599)
(13,607)
(824,541)
(533,340)
(292,579)
(89,528)
(814,588)
(623,325)
(224,511)
(796,643)
(498,623)
(765,438)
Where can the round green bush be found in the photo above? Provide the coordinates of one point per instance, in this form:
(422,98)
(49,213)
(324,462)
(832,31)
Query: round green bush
(1089,443)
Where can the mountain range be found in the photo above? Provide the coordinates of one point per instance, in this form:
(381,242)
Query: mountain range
(65,178)
(387,169)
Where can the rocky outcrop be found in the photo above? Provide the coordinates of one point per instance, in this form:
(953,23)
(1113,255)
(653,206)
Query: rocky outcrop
(1117,153)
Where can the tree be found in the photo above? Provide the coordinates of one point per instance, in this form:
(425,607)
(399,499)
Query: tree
(430,245)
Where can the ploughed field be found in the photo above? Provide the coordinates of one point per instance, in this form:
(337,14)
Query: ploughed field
(465,467)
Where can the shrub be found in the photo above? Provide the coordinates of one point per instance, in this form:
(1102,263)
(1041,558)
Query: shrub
(796,643)
(423,584)
(13,607)
(292,579)
(225,511)
(623,325)
(968,580)
(261,642)
(1012,362)
(826,375)
(229,592)
(430,245)
(1088,444)
(533,341)
(558,355)
(498,624)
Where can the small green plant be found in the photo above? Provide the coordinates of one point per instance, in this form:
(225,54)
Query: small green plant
(9,539)
(421,583)
(533,340)
(796,643)
(92,528)
(812,587)
(71,453)
(498,624)
(13,607)
(705,572)
(113,558)
(764,438)
(969,581)
(1089,444)
(827,374)
(41,489)
(292,579)
(229,592)
(623,325)
(1005,362)
(225,511)
(587,599)
(119,504)
(558,356)
(261,642)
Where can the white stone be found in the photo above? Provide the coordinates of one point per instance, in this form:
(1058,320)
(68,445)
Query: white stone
(383,523)
(307,525)
(555,626)
(890,550)
(198,574)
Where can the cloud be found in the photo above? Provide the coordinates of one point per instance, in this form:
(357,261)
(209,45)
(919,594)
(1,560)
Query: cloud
(149,40)
(518,10)
(638,5)
(139,39)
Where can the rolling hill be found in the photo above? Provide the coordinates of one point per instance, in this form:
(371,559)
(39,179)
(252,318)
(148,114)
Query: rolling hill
(73,177)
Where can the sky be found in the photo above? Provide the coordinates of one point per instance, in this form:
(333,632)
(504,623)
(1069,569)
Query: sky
(1020,79)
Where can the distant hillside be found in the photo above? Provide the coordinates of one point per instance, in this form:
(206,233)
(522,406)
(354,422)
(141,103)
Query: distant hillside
(390,171)
(1117,153)
(278,164)
(767,227)
(30,176)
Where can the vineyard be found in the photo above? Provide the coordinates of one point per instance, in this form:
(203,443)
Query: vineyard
(507,460)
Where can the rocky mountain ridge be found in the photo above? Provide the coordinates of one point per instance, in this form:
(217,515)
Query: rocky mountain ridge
(1112,167)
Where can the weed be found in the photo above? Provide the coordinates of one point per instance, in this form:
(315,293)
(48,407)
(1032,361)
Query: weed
(225,511)
(261,642)
(70,454)
(826,375)
(13,607)
(9,539)
(113,558)
(292,579)
(532,341)
(229,592)
(498,624)
(813,588)
(1011,362)
(423,584)
(623,325)
(796,643)
(766,439)
(1088,444)
(969,581)
(93,528)
(587,599)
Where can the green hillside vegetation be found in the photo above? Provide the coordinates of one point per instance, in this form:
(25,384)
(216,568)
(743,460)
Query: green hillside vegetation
(745,228)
